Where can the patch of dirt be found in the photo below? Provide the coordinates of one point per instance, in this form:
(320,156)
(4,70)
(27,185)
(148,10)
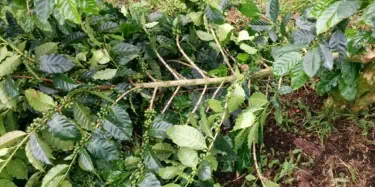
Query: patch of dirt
(346,157)
(307,96)
(346,151)
(236,19)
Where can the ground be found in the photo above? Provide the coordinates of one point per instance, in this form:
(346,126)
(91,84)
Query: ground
(344,155)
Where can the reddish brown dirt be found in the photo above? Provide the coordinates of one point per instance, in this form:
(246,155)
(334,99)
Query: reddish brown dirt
(345,153)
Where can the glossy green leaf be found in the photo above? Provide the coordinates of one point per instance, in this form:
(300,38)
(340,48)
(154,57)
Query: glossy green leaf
(83,116)
(33,180)
(159,128)
(55,64)
(106,74)
(32,159)
(168,173)
(272,10)
(339,43)
(188,157)
(258,99)
(65,83)
(84,160)
(9,65)
(118,130)
(150,180)
(311,62)
(244,120)
(285,63)
(6,183)
(348,91)
(57,143)
(236,99)
(54,173)
(187,136)
(249,9)
(60,126)
(163,150)
(39,101)
(40,149)
(369,13)
(11,138)
(17,168)
(68,9)
(326,56)
(224,31)
(280,51)
(298,76)
(46,48)
(3,53)
(269,183)
(88,6)
(102,148)
(215,105)
(335,13)
(240,138)
(43,9)
(204,35)
(248,49)
(260,25)
(204,171)
(214,15)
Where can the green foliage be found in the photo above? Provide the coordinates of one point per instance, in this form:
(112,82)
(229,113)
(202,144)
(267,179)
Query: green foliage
(76,108)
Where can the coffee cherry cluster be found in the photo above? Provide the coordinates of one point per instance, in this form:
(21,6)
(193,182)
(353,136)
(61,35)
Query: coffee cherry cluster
(85,138)
(66,102)
(38,123)
(143,66)
(103,112)
(149,115)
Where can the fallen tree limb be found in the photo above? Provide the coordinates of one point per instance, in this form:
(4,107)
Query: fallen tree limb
(204,81)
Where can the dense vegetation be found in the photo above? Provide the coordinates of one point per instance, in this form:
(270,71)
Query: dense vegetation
(167,93)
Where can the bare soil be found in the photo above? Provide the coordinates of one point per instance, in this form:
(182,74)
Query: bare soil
(346,157)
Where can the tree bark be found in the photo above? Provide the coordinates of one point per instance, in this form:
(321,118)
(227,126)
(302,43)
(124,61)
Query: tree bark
(204,81)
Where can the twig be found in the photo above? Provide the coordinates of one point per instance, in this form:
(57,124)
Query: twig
(153,98)
(187,57)
(31,77)
(187,82)
(151,77)
(186,64)
(195,82)
(171,99)
(261,177)
(197,104)
(28,7)
(215,93)
(123,95)
(200,99)
(280,82)
(222,51)
(166,65)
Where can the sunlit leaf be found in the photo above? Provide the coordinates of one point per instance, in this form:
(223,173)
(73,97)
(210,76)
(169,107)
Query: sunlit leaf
(187,136)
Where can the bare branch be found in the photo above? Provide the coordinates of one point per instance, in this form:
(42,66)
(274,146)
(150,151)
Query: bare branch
(200,99)
(153,98)
(222,51)
(166,65)
(215,93)
(186,64)
(204,81)
(261,177)
(187,57)
(187,82)
(123,95)
(171,99)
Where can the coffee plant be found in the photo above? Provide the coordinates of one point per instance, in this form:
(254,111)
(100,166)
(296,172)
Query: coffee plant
(165,93)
